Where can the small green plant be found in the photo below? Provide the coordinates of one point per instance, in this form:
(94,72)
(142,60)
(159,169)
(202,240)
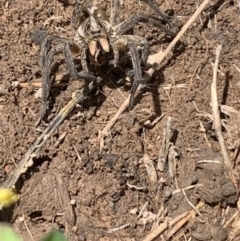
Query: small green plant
(7,234)
(54,236)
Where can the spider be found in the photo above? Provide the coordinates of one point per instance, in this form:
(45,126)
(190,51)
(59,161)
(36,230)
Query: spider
(98,39)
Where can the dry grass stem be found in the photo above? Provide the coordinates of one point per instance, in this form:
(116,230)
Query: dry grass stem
(107,128)
(136,187)
(186,188)
(216,115)
(78,156)
(209,161)
(143,209)
(231,219)
(235,229)
(35,84)
(185,195)
(61,137)
(26,85)
(164,150)
(152,174)
(119,228)
(173,157)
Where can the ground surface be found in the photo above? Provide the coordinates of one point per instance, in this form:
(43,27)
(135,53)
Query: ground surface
(74,187)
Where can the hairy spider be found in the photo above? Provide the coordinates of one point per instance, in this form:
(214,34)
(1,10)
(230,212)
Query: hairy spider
(98,39)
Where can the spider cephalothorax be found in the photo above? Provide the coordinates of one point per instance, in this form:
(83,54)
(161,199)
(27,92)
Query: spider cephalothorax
(98,39)
(92,30)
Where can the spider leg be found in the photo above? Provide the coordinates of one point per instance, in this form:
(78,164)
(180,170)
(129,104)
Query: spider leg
(83,47)
(46,59)
(132,42)
(71,66)
(156,9)
(137,72)
(132,21)
(114,9)
(115,52)
(77,15)
(123,41)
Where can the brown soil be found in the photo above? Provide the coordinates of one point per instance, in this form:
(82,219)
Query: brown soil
(75,188)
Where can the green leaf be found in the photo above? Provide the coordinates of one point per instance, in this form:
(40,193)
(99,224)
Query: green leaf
(7,233)
(54,236)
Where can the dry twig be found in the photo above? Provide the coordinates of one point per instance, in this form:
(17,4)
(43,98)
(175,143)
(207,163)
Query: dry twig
(152,174)
(216,115)
(119,228)
(164,150)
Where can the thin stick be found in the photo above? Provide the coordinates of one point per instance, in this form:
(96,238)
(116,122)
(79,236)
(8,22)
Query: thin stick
(185,195)
(150,72)
(61,137)
(107,128)
(216,115)
(78,156)
(119,228)
(231,219)
(26,85)
(186,188)
(164,150)
(37,84)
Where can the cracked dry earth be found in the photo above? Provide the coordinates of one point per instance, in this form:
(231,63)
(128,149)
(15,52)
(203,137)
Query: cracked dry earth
(87,194)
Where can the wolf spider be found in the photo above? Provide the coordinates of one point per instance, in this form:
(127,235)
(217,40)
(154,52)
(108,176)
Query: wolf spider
(98,36)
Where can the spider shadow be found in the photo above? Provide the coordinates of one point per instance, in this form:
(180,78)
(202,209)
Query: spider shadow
(112,77)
